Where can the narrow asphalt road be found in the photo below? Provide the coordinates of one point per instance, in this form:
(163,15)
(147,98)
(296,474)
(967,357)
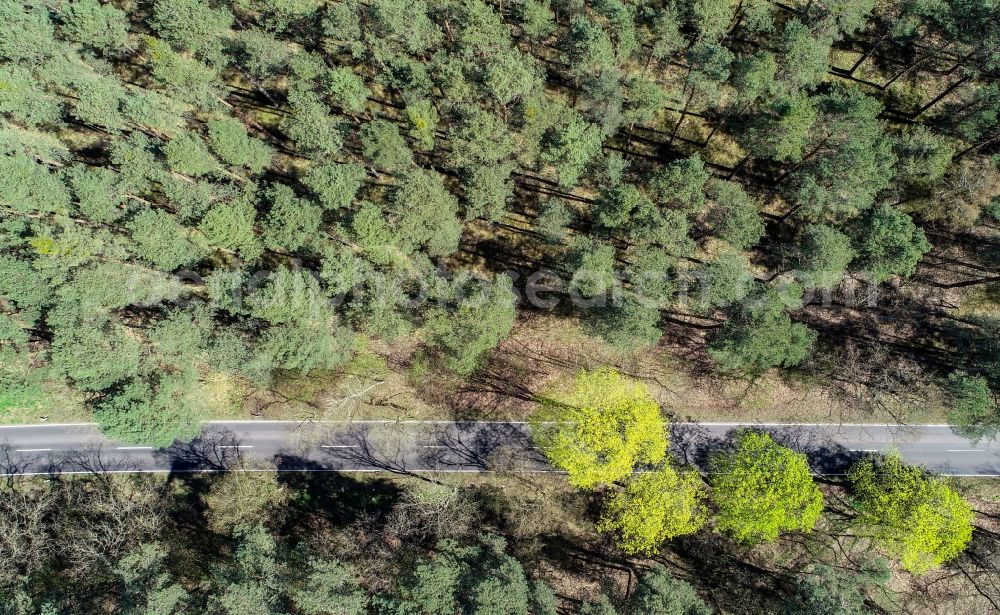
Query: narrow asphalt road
(429,446)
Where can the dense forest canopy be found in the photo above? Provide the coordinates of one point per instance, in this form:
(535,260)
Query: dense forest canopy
(205,191)
(195,187)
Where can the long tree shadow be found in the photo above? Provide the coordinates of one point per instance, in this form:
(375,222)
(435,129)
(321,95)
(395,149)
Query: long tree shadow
(696,445)
(13,465)
(981,565)
(826,455)
(367,450)
(212,452)
(736,585)
(93,459)
(594,562)
(338,498)
(499,385)
(482,446)
(693,444)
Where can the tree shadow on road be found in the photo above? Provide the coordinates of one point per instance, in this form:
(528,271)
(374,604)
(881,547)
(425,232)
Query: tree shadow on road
(214,452)
(695,445)
(11,465)
(93,458)
(482,447)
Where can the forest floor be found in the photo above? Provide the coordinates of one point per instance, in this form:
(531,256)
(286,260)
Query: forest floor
(397,382)
(541,518)
(543,351)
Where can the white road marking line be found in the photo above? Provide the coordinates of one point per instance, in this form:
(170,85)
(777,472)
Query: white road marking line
(340,446)
(864,450)
(134,448)
(416,422)
(901,427)
(434,422)
(966,450)
(349,471)
(31,450)
(235,446)
(369,421)
(29,425)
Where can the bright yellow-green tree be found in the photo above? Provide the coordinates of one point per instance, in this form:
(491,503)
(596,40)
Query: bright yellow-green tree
(654,507)
(916,517)
(600,429)
(762,489)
